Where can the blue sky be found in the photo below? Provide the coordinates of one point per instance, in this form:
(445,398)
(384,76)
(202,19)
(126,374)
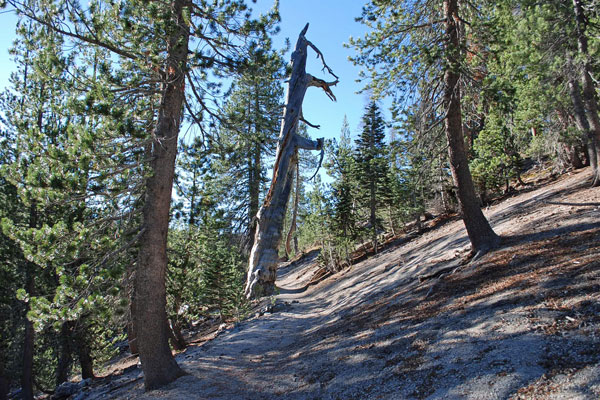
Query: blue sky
(331,24)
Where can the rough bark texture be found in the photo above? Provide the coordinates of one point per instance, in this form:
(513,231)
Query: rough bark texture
(150,317)
(589,91)
(264,255)
(175,337)
(131,336)
(480,233)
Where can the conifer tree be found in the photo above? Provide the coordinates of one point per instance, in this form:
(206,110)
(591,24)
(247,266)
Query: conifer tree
(344,204)
(342,168)
(78,207)
(372,167)
(413,42)
(248,135)
(160,49)
(222,266)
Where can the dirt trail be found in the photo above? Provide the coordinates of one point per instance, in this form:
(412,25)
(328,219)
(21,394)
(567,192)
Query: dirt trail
(522,322)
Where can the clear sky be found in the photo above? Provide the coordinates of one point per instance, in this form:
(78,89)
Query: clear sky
(331,24)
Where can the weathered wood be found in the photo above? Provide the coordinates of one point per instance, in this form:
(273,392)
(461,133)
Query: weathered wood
(292,230)
(264,257)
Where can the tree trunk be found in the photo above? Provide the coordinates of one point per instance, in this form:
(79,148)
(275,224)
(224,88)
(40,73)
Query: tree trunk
(86,362)
(589,90)
(28,340)
(64,353)
(264,258)
(574,158)
(131,336)
(150,317)
(254,180)
(373,214)
(480,233)
(176,338)
(582,122)
(290,235)
(572,151)
(29,336)
(4,384)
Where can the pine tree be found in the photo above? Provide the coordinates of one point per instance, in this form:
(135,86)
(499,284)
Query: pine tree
(372,167)
(248,136)
(315,212)
(159,49)
(342,168)
(343,198)
(523,94)
(222,276)
(75,208)
(398,56)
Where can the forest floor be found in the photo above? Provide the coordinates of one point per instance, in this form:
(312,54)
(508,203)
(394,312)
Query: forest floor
(522,322)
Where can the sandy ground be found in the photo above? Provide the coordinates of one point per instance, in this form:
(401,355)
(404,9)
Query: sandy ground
(522,322)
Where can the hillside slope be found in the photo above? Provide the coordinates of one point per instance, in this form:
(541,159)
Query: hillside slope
(521,322)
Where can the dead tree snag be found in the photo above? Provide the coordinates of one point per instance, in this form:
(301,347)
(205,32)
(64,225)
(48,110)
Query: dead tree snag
(264,257)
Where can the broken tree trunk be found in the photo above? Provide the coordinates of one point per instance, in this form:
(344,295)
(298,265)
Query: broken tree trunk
(264,257)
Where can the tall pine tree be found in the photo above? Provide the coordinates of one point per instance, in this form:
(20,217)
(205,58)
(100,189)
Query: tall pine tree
(372,167)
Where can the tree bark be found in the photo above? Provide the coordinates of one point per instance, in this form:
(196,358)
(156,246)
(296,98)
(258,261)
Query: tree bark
(131,336)
(264,258)
(254,180)
(176,338)
(589,91)
(64,353)
(572,150)
(581,120)
(150,317)
(574,158)
(290,235)
(373,213)
(86,362)
(480,233)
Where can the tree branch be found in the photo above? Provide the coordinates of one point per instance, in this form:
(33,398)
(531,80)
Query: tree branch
(326,86)
(307,144)
(320,55)
(308,123)
(90,40)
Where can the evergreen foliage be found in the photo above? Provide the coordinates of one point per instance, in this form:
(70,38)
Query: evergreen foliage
(342,167)
(89,131)
(248,137)
(372,169)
